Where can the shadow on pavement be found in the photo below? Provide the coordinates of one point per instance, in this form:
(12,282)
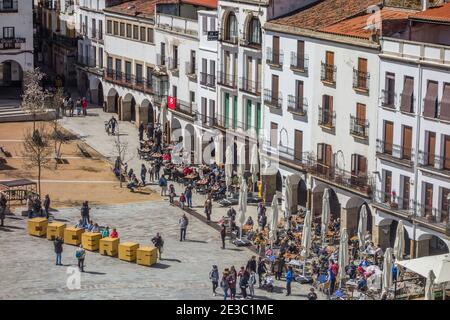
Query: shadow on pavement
(160,265)
(5,229)
(196,241)
(95,273)
(174,260)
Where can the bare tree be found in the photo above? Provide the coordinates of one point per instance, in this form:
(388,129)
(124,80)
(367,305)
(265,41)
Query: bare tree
(57,134)
(37,151)
(120,148)
(34,95)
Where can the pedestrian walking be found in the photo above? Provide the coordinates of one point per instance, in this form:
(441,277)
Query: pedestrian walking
(208,209)
(80,255)
(158,242)
(223,233)
(163,185)
(78,106)
(157,169)
(141,131)
(84,106)
(3,205)
(113,123)
(182,200)
(262,220)
(214,277)
(188,194)
(251,284)
(143,173)
(47,205)
(171,193)
(289,278)
(232,285)
(151,173)
(224,284)
(71,106)
(85,213)
(58,243)
(244,276)
(183,223)
(262,270)
(251,264)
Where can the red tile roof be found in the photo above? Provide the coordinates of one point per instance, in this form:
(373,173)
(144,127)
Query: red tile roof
(440,13)
(212,4)
(325,13)
(389,19)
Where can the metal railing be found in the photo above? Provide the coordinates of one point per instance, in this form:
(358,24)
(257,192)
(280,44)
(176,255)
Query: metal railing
(207,79)
(226,79)
(361,80)
(297,105)
(231,38)
(160,60)
(394,202)
(87,61)
(274,58)
(11,43)
(359,127)
(388,99)
(9,6)
(426,159)
(274,99)
(185,107)
(328,72)
(250,86)
(394,150)
(130,81)
(299,62)
(327,118)
(172,63)
(191,69)
(245,42)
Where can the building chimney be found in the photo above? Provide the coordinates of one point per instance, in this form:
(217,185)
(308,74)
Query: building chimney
(425,5)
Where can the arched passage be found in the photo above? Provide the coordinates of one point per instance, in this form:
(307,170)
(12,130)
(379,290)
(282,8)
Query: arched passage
(175,130)
(302,193)
(430,245)
(101,97)
(112,101)
(128,111)
(279,182)
(11,74)
(146,112)
(189,142)
(393,234)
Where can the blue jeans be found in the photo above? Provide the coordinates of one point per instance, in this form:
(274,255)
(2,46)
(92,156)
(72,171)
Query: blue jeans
(85,220)
(189,201)
(225,294)
(143,179)
(58,258)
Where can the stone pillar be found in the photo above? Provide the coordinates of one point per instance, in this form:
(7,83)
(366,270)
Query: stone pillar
(125,111)
(423,248)
(412,248)
(316,203)
(94,96)
(294,207)
(382,236)
(349,220)
(309,199)
(269,182)
(141,115)
(110,101)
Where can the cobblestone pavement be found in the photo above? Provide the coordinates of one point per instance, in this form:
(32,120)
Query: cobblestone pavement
(29,271)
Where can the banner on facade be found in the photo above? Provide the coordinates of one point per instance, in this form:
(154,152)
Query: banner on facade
(171,102)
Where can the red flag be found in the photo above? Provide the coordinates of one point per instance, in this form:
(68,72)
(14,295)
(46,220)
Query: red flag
(171,102)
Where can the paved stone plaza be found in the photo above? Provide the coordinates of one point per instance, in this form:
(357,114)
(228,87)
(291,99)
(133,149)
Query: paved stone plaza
(28,263)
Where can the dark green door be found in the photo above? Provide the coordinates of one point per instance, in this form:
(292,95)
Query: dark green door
(235,112)
(258,118)
(248,122)
(227,110)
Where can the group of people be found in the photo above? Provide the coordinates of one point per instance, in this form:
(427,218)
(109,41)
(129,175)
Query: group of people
(80,106)
(37,208)
(3,206)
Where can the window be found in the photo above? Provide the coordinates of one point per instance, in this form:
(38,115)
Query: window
(108,27)
(388,137)
(431,100)
(174,91)
(329,67)
(163,54)
(149,76)
(110,64)
(275,50)
(142,33)
(212,24)
(100,30)
(150,35)
(127,71)
(212,109)
(428,199)
(275,86)
(324,155)
(122,29)
(7,4)
(119,69)
(299,88)
(116,28)
(405,192)
(300,55)
(431,148)
(445,103)
(389,91)
(445,199)
(136,32)
(100,58)
(204,110)
(8,32)
(407,96)
(273,134)
(254,36)
(231,27)
(298,144)
(327,111)
(129,31)
(387,185)
(362,74)
(205,25)
(446,156)
(94,28)
(407,143)
(139,79)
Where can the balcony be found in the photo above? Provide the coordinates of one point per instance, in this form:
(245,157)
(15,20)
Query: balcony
(394,152)
(432,218)
(173,65)
(129,81)
(249,86)
(85,61)
(299,63)
(65,40)
(327,118)
(328,73)
(361,80)
(274,59)
(226,37)
(9,6)
(359,127)
(388,99)
(400,207)
(184,108)
(407,103)
(160,60)
(208,80)
(227,80)
(176,24)
(11,43)
(273,99)
(191,71)
(297,106)
(434,163)
(244,42)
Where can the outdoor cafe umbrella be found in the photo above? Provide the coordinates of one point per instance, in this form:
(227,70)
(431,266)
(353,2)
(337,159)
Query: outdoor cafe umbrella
(228,166)
(306,235)
(325,212)
(429,286)
(343,255)
(362,226)
(287,197)
(274,221)
(254,166)
(387,270)
(399,244)
(242,203)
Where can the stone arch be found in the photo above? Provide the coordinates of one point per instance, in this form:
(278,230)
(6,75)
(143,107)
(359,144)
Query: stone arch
(430,245)
(145,112)
(176,130)
(112,101)
(100,94)
(250,26)
(230,23)
(317,197)
(279,182)
(392,235)
(128,112)
(189,142)
(12,74)
(302,193)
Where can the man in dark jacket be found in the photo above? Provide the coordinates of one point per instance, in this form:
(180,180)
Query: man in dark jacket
(3,202)
(158,242)
(85,213)
(223,233)
(183,223)
(58,243)
(47,205)
(261,270)
(251,264)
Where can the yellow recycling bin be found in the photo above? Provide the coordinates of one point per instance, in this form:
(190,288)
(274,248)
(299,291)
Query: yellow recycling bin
(37,227)
(55,229)
(91,240)
(72,235)
(147,256)
(127,251)
(109,246)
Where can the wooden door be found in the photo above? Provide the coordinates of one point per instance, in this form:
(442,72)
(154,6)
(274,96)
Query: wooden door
(274,89)
(447,152)
(275,50)
(273,135)
(431,148)
(298,145)
(407,142)
(428,199)
(388,137)
(300,54)
(362,72)
(406,193)
(387,186)
(361,116)
(299,102)
(329,76)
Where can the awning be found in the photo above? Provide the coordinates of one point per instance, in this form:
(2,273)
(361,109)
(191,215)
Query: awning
(17,183)
(445,103)
(440,265)
(429,109)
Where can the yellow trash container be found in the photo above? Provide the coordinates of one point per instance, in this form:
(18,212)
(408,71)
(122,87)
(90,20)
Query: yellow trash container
(55,229)
(147,256)
(37,227)
(91,240)
(127,251)
(72,236)
(109,246)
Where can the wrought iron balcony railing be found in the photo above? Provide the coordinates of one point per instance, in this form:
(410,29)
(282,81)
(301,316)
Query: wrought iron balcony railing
(361,80)
(299,63)
(327,118)
(273,99)
(394,150)
(274,58)
(227,80)
(297,105)
(359,127)
(250,86)
(328,73)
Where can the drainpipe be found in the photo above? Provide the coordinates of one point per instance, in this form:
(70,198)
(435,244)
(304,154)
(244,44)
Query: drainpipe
(416,172)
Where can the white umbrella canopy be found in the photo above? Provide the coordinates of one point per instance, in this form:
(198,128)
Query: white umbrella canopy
(287,197)
(228,166)
(343,254)
(387,270)
(362,226)
(325,212)
(429,286)
(440,264)
(274,220)
(306,235)
(399,244)
(254,166)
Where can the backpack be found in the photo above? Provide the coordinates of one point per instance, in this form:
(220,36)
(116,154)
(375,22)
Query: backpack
(78,254)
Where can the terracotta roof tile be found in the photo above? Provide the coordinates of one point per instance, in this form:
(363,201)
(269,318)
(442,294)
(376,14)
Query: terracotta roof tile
(440,13)
(212,4)
(325,13)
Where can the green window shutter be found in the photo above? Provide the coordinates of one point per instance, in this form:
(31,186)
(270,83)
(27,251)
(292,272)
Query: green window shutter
(258,117)
(227,110)
(235,112)
(249,115)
